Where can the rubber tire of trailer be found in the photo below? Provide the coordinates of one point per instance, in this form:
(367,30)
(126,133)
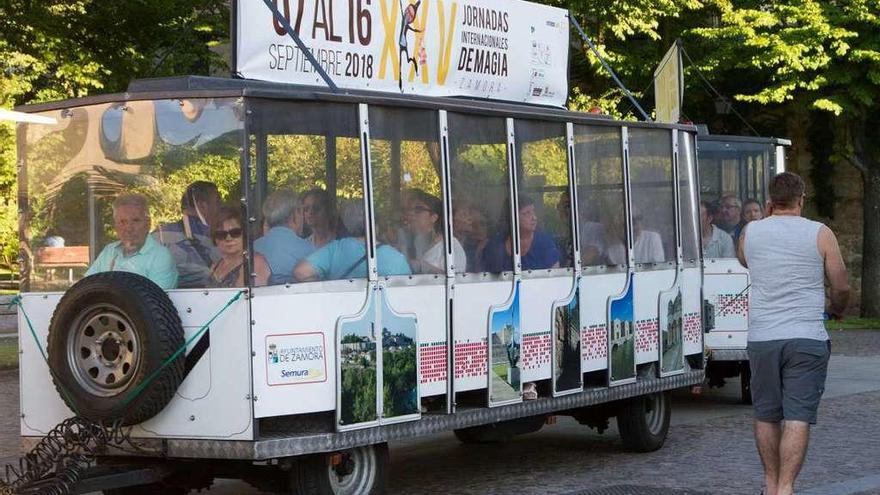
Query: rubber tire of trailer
(154,321)
(312,475)
(640,427)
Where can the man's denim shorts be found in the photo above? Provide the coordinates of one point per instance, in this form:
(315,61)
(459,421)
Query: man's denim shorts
(788,378)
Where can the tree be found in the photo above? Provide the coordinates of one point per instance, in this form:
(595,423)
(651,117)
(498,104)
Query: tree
(57,49)
(820,55)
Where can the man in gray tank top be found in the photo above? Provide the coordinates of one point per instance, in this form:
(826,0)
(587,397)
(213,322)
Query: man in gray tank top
(789,258)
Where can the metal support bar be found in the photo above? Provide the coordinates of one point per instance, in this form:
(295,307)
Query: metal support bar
(607,67)
(311,58)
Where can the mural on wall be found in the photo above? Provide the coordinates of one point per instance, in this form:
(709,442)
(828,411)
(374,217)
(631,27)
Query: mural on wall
(505,346)
(621,338)
(567,346)
(671,323)
(358,367)
(400,366)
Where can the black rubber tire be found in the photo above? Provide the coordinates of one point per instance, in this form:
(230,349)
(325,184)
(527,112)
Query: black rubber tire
(157,324)
(745,383)
(638,433)
(312,473)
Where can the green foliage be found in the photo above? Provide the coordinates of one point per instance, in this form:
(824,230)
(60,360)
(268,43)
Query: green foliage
(400,393)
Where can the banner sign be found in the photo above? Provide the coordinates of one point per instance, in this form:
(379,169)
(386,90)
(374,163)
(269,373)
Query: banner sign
(295,359)
(501,49)
(669,87)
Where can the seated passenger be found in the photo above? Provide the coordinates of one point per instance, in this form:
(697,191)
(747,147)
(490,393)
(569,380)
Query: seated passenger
(189,239)
(425,220)
(751,211)
(136,251)
(716,242)
(410,240)
(228,236)
(320,218)
(728,215)
(648,246)
(347,257)
(282,247)
(592,233)
(538,249)
(469,226)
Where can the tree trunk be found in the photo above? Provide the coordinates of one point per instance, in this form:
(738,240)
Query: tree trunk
(871,242)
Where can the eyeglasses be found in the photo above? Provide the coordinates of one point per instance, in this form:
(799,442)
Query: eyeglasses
(312,208)
(220,235)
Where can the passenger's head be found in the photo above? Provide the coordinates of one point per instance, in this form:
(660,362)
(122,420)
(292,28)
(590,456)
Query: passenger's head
(202,199)
(131,220)
(528,218)
(563,207)
(730,209)
(787,191)
(227,232)
(424,212)
(752,211)
(280,208)
(707,215)
(353,217)
(319,213)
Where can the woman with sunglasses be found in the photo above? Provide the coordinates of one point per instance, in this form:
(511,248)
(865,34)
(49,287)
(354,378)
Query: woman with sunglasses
(228,235)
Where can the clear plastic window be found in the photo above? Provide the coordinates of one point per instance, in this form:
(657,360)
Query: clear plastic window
(653,202)
(481,191)
(311,224)
(180,156)
(690,239)
(408,199)
(544,204)
(601,195)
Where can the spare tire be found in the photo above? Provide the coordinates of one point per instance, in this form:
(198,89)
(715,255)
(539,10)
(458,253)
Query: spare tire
(109,334)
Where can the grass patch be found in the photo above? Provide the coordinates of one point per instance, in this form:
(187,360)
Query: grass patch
(854,324)
(8,354)
(8,292)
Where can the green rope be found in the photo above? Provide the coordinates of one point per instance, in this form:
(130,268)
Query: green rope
(16,301)
(140,388)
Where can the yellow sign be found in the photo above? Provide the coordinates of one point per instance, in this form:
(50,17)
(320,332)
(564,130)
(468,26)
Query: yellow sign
(669,87)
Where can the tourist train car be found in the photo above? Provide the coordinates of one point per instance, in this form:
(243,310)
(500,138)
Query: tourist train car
(304,370)
(738,166)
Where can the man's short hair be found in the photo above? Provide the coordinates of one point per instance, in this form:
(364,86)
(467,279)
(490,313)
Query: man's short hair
(279,207)
(132,199)
(200,190)
(786,189)
(733,197)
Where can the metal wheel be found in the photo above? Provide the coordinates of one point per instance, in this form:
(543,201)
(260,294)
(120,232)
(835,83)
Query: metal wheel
(103,350)
(655,413)
(354,473)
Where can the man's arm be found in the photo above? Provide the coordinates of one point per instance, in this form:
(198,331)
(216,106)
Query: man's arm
(835,272)
(741,247)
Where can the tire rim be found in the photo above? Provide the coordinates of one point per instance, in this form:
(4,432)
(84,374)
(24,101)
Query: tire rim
(356,474)
(655,413)
(103,350)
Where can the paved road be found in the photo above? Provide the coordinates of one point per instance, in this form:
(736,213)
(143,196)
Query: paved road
(709,449)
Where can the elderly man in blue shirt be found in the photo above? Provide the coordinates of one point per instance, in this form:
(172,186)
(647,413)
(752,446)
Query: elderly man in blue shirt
(136,251)
(282,246)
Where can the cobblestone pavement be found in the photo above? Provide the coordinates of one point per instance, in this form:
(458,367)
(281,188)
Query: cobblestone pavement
(709,449)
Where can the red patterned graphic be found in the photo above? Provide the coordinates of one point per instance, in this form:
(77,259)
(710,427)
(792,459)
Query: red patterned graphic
(646,335)
(594,342)
(692,328)
(470,359)
(433,362)
(732,305)
(535,350)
